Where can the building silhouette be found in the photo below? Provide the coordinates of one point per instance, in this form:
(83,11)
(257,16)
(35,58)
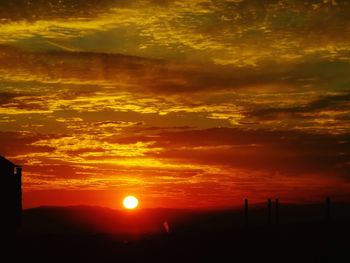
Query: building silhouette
(10,195)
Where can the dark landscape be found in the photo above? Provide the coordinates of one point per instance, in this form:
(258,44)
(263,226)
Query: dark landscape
(95,234)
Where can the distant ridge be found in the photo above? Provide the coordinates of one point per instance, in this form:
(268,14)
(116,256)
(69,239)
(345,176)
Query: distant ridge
(96,219)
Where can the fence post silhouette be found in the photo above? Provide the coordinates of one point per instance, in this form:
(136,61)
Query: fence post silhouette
(328,209)
(246,215)
(269,211)
(277,212)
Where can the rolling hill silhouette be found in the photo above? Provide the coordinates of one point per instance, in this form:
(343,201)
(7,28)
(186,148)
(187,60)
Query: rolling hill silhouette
(94,219)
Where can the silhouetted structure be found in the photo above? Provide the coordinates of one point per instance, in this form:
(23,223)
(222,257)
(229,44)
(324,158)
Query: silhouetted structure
(246,215)
(10,195)
(328,208)
(277,212)
(269,211)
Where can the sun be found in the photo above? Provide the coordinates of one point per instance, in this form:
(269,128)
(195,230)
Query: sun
(130,202)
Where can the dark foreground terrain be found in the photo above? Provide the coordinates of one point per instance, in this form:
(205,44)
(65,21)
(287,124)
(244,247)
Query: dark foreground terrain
(83,234)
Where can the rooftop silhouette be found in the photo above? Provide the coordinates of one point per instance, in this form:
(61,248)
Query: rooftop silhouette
(10,194)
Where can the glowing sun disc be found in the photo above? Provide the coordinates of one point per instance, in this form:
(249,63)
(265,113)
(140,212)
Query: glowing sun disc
(130,202)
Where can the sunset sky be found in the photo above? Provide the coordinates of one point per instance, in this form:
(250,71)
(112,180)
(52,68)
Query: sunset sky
(183,103)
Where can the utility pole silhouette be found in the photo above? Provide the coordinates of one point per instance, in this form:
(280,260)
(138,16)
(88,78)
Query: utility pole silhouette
(269,210)
(246,215)
(328,209)
(277,212)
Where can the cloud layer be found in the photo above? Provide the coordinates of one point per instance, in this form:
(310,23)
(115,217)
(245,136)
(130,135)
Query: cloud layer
(196,103)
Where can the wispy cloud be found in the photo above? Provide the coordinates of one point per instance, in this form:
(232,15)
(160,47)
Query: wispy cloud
(201,99)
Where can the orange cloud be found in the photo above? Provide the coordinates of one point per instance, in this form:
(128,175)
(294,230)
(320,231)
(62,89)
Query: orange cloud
(176,100)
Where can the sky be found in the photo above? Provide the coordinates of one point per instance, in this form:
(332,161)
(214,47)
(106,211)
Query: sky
(184,104)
